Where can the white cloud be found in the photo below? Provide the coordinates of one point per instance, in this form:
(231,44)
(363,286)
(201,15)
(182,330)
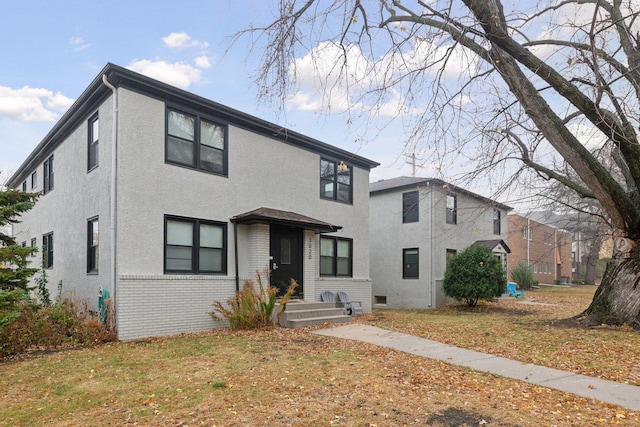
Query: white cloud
(28,104)
(177,74)
(182,40)
(203,62)
(79,44)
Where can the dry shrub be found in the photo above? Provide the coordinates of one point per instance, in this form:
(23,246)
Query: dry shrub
(67,322)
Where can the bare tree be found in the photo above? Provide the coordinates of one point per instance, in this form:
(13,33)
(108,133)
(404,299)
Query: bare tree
(506,88)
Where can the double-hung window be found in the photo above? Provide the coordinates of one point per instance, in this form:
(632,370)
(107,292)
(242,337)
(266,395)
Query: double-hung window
(335,181)
(92,156)
(496,221)
(93,239)
(410,203)
(47,250)
(452,209)
(196,142)
(48,175)
(336,256)
(410,263)
(195,246)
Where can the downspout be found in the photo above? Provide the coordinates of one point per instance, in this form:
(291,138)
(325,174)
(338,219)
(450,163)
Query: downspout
(235,250)
(528,240)
(555,257)
(113,191)
(432,289)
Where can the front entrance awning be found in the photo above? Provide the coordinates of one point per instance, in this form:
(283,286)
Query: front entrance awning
(494,245)
(285,218)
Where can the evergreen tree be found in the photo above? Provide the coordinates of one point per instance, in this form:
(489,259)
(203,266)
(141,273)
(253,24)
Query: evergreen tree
(14,270)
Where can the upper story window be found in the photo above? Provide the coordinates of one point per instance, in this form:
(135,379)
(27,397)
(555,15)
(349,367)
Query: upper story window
(34,180)
(93,239)
(497,216)
(527,233)
(548,239)
(48,175)
(24,186)
(195,142)
(452,209)
(335,181)
(92,156)
(195,246)
(451,253)
(410,206)
(336,256)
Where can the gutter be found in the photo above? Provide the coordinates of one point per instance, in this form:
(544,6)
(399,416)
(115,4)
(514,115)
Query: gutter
(113,192)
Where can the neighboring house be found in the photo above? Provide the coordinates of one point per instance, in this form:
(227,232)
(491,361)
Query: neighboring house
(417,225)
(545,248)
(170,201)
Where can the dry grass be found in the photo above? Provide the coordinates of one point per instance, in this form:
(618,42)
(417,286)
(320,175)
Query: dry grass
(291,377)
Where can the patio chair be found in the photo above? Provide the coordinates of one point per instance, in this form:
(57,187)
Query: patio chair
(511,288)
(327,296)
(350,307)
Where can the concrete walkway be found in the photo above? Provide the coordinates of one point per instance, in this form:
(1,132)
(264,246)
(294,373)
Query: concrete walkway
(611,392)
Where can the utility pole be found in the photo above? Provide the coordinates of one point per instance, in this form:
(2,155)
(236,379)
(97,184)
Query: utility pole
(412,163)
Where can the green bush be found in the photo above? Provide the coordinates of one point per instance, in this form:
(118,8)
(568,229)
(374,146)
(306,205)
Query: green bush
(474,274)
(252,308)
(523,275)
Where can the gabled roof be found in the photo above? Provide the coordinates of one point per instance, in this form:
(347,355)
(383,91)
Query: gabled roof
(121,77)
(403,183)
(492,244)
(278,217)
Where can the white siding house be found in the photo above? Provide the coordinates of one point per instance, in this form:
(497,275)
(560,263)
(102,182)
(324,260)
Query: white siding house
(170,201)
(417,224)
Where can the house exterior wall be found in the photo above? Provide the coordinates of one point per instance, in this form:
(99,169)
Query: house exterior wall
(77,196)
(263,171)
(431,235)
(546,249)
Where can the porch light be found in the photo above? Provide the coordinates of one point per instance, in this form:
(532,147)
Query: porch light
(342,167)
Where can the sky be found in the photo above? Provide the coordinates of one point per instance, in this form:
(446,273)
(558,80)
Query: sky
(52,50)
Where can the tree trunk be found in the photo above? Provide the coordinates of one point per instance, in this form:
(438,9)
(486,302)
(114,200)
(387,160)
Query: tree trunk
(617,300)
(592,261)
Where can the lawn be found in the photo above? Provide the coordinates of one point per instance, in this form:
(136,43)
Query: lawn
(292,377)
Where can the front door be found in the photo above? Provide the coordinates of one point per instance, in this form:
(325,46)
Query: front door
(286,258)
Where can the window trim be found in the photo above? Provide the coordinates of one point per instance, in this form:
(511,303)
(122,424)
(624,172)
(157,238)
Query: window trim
(195,248)
(198,117)
(404,264)
(92,251)
(410,205)
(335,241)
(334,181)
(47,250)
(93,142)
(451,215)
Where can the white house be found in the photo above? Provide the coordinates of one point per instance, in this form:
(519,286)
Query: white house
(417,225)
(170,201)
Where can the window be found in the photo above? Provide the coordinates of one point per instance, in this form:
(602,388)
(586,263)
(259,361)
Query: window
(196,142)
(195,246)
(497,216)
(92,156)
(548,239)
(336,255)
(93,238)
(23,244)
(48,175)
(410,206)
(452,209)
(24,186)
(450,254)
(34,242)
(34,179)
(47,250)
(410,265)
(527,233)
(335,181)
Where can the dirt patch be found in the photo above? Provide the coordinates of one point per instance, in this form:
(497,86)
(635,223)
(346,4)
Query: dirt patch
(457,417)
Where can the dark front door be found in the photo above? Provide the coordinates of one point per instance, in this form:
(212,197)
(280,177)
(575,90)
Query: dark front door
(286,258)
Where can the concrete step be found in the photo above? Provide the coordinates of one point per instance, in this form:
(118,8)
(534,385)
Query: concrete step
(318,312)
(301,323)
(302,305)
